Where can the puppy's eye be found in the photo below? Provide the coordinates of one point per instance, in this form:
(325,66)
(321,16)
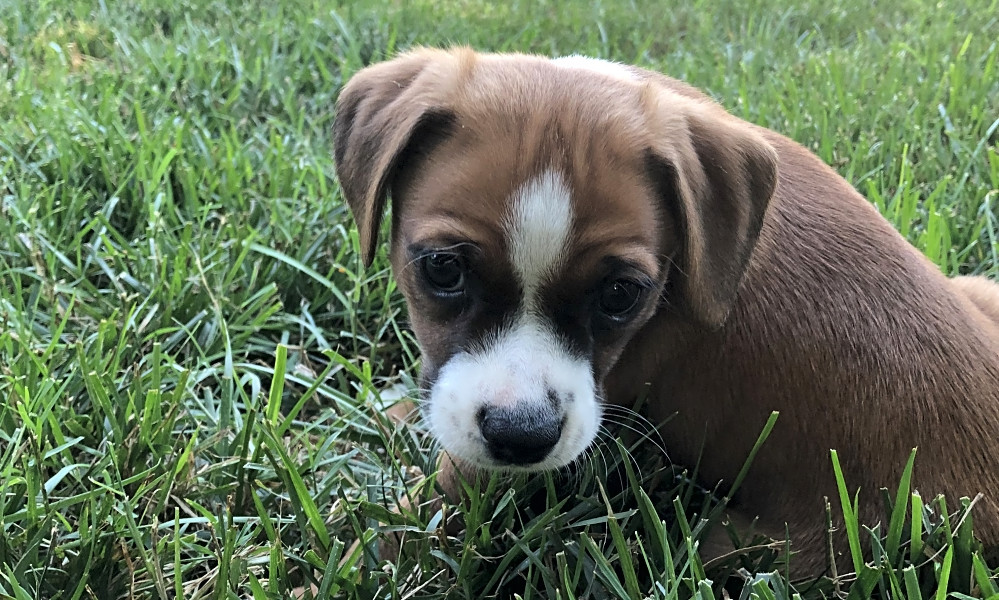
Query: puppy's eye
(619,297)
(445,272)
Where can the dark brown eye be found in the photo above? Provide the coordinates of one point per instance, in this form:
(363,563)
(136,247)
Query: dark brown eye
(619,297)
(445,272)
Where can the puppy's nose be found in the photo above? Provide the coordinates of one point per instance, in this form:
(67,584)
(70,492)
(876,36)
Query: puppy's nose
(519,436)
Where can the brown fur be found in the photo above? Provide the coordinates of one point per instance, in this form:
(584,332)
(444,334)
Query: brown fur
(785,289)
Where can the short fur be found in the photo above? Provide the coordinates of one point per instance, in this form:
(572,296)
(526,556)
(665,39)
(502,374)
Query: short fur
(783,288)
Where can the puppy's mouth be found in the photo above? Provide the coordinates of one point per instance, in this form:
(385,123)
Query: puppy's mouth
(518,401)
(506,443)
(498,416)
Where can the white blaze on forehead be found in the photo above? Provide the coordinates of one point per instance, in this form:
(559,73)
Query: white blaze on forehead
(538,229)
(597,65)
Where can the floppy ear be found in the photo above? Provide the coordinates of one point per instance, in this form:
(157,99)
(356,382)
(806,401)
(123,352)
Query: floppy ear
(719,176)
(380,112)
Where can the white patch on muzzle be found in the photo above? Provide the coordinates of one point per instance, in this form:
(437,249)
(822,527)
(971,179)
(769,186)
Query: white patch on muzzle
(525,366)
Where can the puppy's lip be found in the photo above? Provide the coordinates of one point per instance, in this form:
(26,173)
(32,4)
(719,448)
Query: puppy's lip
(495,465)
(520,467)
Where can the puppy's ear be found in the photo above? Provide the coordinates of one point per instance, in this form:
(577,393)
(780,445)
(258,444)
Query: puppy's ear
(383,111)
(719,176)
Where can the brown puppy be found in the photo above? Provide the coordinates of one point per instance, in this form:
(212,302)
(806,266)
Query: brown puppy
(568,232)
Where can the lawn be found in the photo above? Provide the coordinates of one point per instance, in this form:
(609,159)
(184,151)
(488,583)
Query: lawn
(193,364)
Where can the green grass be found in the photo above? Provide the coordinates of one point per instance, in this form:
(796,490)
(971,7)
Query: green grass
(193,363)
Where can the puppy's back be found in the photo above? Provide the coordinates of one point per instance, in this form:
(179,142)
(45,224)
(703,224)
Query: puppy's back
(860,342)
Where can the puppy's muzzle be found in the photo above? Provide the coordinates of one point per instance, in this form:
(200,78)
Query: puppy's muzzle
(519,436)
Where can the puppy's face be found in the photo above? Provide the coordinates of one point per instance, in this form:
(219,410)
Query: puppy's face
(524,278)
(538,207)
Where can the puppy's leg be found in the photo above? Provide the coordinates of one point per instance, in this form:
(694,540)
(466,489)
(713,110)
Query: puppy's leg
(717,546)
(450,475)
(809,545)
(450,471)
(982,292)
(402,412)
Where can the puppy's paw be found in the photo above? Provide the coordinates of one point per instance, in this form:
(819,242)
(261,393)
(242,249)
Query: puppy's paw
(427,500)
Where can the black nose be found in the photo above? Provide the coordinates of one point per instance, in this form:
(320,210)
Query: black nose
(520,436)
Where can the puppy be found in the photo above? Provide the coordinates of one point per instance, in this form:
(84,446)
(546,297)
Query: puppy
(572,233)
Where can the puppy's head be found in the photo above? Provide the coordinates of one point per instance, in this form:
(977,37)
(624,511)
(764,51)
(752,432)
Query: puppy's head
(542,211)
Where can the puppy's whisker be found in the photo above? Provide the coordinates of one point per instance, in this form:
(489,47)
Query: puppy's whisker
(637,424)
(595,450)
(628,455)
(603,445)
(631,420)
(643,436)
(629,426)
(632,414)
